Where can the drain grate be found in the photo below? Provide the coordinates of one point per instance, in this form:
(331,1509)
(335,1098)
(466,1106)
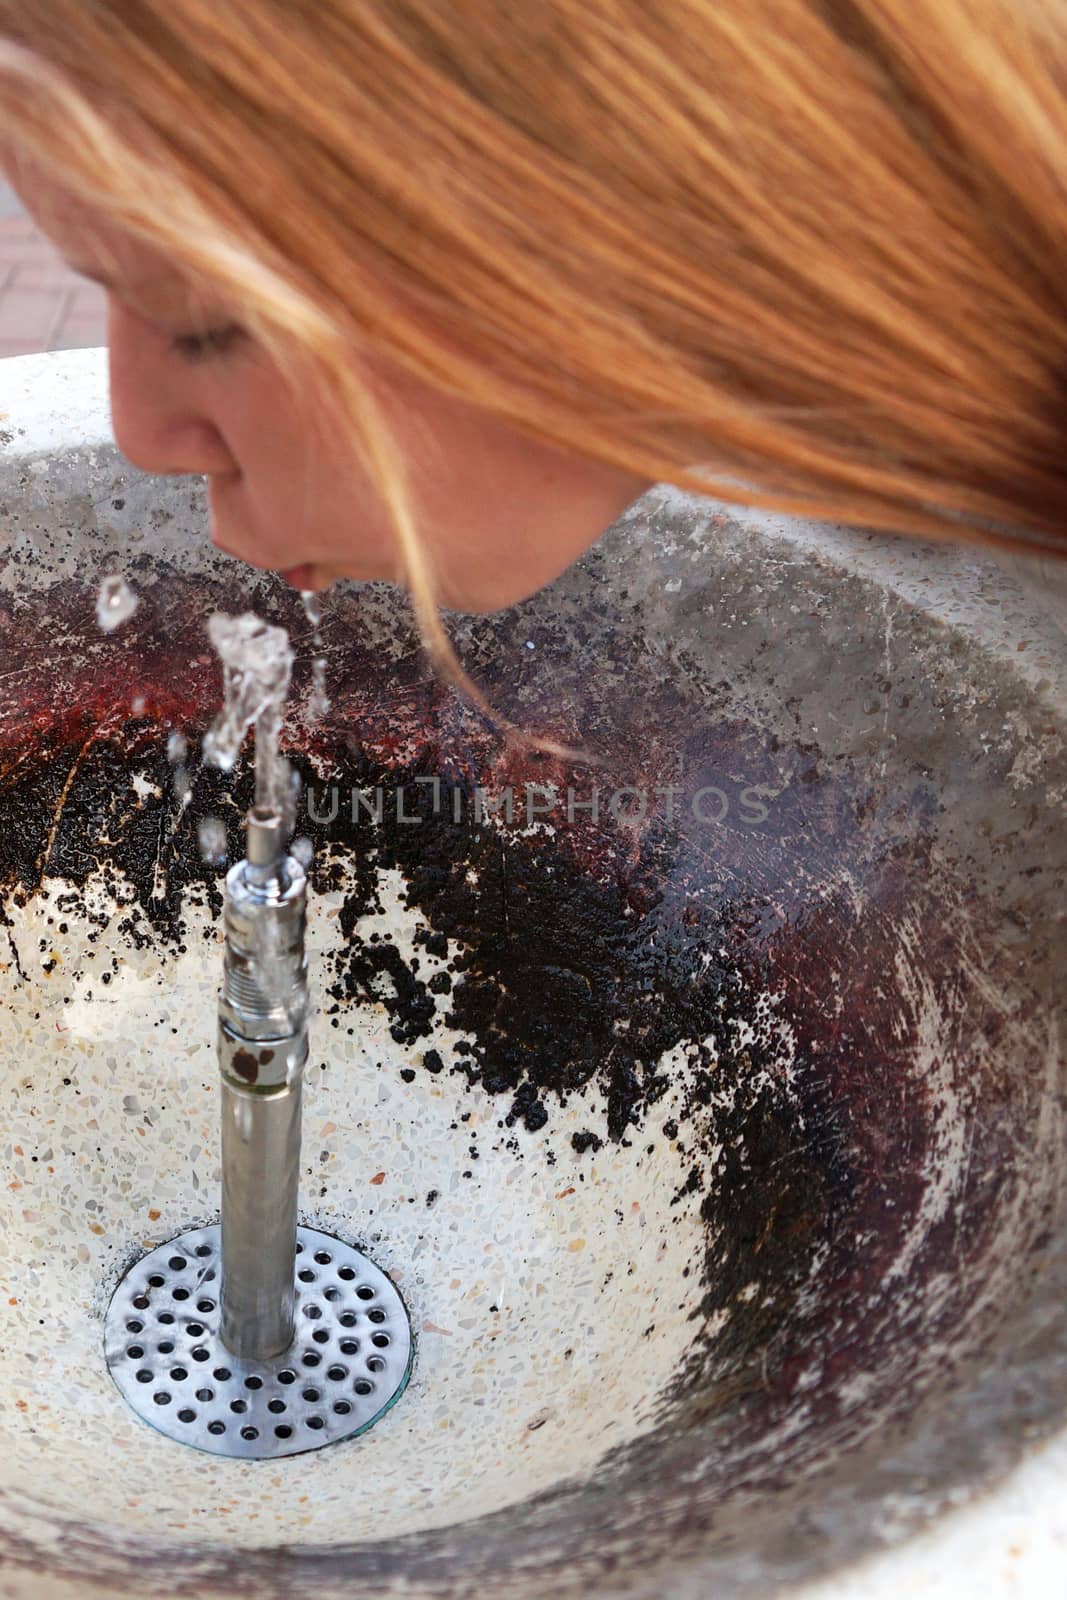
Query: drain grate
(350,1359)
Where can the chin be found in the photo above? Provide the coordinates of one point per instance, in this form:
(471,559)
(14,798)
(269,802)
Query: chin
(482,600)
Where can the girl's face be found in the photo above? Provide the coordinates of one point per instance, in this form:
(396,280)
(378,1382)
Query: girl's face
(500,515)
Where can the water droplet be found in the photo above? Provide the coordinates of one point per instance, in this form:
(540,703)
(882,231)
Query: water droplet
(115,602)
(182,785)
(319,702)
(211,837)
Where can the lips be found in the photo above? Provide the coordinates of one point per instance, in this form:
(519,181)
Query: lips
(300,577)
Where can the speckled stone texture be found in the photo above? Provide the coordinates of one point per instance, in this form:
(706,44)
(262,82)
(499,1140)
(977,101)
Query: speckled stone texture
(707,1109)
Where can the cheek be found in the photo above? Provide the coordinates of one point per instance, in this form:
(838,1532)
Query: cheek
(302,494)
(261,436)
(291,502)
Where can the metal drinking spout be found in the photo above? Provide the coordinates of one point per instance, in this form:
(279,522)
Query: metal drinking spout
(247,1335)
(264,844)
(262,1045)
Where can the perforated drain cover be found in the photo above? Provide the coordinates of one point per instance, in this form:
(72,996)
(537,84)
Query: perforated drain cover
(349,1361)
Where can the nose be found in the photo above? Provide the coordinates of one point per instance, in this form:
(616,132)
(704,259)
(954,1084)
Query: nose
(158,424)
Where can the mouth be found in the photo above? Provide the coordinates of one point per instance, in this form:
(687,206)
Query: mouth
(298,577)
(302,577)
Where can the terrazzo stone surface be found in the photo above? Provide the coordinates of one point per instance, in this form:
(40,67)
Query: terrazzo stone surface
(530,1365)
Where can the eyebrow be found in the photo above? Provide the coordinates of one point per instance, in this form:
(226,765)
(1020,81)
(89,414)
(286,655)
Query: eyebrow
(154,297)
(128,289)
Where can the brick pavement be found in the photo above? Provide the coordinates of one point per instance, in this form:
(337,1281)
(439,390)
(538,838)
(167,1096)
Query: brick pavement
(43,305)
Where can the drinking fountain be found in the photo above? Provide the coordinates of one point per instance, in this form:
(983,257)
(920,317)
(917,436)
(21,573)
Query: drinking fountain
(217,1337)
(682,1178)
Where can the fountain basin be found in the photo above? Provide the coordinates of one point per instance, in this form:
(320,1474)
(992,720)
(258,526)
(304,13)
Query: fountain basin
(703,1097)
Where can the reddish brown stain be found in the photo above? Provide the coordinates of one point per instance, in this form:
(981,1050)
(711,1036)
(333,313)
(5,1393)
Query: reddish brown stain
(245,1065)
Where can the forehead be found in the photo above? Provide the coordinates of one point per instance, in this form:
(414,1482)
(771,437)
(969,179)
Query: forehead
(93,242)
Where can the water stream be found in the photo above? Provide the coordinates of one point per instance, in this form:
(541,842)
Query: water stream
(257,667)
(319,702)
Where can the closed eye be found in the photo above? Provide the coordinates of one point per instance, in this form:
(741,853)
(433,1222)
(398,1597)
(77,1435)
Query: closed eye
(200,346)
